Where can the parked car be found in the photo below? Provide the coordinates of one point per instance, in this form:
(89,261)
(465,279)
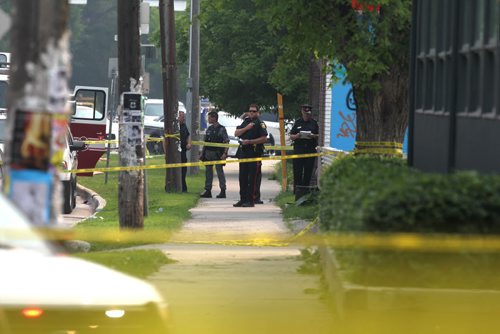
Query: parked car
(230,122)
(70,161)
(153,108)
(153,123)
(44,292)
(273,131)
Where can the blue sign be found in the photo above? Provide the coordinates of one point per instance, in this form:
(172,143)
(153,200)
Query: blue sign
(343,115)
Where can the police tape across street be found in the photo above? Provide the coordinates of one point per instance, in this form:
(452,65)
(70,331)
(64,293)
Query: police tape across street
(380,148)
(200,163)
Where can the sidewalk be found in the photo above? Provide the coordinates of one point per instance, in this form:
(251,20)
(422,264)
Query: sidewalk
(217,287)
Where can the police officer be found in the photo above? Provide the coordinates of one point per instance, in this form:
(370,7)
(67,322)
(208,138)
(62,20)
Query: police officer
(185,146)
(253,134)
(216,133)
(304,134)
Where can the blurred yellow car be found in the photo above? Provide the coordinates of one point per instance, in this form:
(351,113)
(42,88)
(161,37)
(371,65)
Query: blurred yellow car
(43,291)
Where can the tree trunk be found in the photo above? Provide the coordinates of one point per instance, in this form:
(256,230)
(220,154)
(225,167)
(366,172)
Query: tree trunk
(382,115)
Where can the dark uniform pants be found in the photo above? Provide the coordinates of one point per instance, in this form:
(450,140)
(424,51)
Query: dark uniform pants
(302,173)
(248,180)
(184,170)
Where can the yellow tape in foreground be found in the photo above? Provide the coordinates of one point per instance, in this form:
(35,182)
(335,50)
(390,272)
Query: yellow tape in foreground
(388,241)
(381,144)
(201,163)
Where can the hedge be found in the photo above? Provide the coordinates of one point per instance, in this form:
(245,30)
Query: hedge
(375,194)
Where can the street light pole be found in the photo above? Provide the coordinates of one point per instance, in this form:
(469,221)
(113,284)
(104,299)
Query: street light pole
(194,81)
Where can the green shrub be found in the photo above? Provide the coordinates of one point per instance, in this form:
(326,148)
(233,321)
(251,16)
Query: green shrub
(384,195)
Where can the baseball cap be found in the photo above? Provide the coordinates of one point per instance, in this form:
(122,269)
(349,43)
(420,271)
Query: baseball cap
(306,108)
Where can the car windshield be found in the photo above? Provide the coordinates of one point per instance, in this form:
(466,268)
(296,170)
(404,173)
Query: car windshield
(154,109)
(16,232)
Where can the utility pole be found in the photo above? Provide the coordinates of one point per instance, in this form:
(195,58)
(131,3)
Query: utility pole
(194,81)
(170,104)
(131,183)
(37,107)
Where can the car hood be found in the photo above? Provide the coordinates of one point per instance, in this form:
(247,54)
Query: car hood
(153,122)
(32,278)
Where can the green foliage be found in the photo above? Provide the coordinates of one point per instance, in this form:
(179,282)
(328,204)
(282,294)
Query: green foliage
(139,263)
(290,210)
(370,194)
(243,62)
(367,44)
(383,195)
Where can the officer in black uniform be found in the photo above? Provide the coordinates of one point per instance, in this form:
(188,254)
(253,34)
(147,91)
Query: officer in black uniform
(185,146)
(216,133)
(304,134)
(253,134)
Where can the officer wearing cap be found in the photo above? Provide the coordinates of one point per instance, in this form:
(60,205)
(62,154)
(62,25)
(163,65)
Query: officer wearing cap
(253,134)
(304,134)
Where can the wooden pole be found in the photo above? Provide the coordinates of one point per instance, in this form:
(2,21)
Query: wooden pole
(131,183)
(170,104)
(284,181)
(37,113)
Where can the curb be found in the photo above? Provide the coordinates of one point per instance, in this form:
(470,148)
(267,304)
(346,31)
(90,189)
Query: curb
(348,297)
(94,199)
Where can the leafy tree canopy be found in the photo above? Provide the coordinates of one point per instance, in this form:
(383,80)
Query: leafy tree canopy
(368,43)
(243,62)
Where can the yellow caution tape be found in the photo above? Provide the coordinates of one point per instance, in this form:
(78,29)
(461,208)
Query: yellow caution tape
(149,139)
(386,241)
(383,148)
(201,163)
(384,151)
(382,144)
(204,143)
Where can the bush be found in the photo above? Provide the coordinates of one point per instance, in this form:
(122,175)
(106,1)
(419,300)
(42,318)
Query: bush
(383,195)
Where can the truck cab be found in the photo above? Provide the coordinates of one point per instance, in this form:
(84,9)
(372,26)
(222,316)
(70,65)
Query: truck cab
(88,122)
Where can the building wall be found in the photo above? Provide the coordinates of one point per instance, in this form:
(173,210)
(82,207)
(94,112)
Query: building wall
(455,116)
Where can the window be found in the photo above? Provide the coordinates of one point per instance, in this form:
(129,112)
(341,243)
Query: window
(89,104)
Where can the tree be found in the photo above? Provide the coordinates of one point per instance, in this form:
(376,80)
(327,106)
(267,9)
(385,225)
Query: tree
(372,45)
(243,62)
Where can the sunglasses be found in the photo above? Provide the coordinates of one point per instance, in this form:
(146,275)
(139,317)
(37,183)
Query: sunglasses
(252,111)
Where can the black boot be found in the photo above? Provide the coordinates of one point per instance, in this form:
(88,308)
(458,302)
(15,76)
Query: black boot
(206,194)
(222,194)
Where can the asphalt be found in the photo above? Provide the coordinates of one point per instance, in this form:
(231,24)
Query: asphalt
(225,281)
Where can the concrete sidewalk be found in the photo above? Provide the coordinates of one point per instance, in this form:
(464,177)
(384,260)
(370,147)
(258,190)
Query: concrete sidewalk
(216,287)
